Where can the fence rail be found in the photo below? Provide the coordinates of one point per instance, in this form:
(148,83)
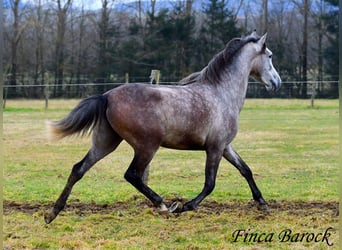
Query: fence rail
(161,83)
(290,89)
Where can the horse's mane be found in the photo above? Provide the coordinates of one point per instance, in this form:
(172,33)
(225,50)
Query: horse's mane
(211,73)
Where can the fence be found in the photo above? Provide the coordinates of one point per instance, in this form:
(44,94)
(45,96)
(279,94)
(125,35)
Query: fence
(312,90)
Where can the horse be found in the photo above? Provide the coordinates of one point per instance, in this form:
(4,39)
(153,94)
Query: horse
(200,113)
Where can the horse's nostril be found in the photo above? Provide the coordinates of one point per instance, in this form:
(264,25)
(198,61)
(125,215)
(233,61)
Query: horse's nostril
(274,85)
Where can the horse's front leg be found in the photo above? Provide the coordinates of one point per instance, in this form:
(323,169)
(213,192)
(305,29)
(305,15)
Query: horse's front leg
(233,157)
(211,167)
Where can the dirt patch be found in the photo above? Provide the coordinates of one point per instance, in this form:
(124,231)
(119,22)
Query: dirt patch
(293,207)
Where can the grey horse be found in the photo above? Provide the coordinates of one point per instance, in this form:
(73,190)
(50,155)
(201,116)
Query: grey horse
(200,114)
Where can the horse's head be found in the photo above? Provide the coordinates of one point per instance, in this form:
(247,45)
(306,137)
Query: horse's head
(262,67)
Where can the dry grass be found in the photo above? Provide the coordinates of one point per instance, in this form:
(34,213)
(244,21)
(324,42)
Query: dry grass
(292,149)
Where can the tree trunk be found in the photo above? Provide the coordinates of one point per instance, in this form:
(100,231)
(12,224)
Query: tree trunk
(264,16)
(320,48)
(305,49)
(104,39)
(39,64)
(14,47)
(61,28)
(80,55)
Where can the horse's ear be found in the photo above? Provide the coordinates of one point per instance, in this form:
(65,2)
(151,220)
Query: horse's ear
(262,40)
(254,33)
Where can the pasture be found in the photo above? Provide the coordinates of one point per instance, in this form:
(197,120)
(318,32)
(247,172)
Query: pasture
(291,148)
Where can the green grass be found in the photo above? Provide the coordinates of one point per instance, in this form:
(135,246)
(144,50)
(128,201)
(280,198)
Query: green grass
(291,148)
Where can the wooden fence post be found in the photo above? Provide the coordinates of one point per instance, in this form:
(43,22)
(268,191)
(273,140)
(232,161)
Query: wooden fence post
(5,98)
(155,77)
(5,81)
(126,78)
(46,89)
(312,95)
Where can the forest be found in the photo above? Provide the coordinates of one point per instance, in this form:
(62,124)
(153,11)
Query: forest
(73,48)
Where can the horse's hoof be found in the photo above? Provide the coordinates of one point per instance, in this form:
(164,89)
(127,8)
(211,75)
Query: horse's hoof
(176,207)
(264,208)
(163,209)
(49,217)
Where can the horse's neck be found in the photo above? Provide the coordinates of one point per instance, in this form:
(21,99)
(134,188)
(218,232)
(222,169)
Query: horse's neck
(235,81)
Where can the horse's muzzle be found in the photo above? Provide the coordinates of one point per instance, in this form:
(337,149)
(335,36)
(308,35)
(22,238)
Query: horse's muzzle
(274,86)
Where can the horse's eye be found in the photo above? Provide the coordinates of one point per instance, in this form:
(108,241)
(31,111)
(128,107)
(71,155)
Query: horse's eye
(270,56)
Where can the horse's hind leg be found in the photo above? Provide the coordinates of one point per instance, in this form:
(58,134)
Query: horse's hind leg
(233,157)
(105,140)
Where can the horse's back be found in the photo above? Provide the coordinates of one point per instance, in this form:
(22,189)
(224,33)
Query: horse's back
(170,116)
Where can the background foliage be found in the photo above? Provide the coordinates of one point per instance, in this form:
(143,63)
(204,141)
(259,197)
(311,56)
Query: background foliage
(65,42)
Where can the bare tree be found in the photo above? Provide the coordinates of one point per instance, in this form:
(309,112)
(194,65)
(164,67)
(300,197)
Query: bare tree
(153,10)
(80,55)
(39,20)
(105,33)
(62,10)
(305,47)
(304,7)
(99,44)
(264,16)
(320,30)
(15,37)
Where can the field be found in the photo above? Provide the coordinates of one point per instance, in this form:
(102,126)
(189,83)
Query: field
(291,148)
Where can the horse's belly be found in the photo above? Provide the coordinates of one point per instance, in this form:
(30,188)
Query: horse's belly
(183,141)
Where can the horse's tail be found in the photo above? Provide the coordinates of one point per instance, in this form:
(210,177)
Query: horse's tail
(82,119)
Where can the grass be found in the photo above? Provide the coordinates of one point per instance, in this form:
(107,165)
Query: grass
(291,148)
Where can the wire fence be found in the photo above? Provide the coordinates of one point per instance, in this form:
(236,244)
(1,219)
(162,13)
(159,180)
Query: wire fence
(309,90)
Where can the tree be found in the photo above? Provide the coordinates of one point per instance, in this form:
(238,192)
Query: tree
(62,10)
(176,37)
(331,52)
(283,30)
(80,47)
(106,32)
(39,20)
(15,37)
(218,27)
(305,48)
(264,16)
(179,38)
(332,34)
